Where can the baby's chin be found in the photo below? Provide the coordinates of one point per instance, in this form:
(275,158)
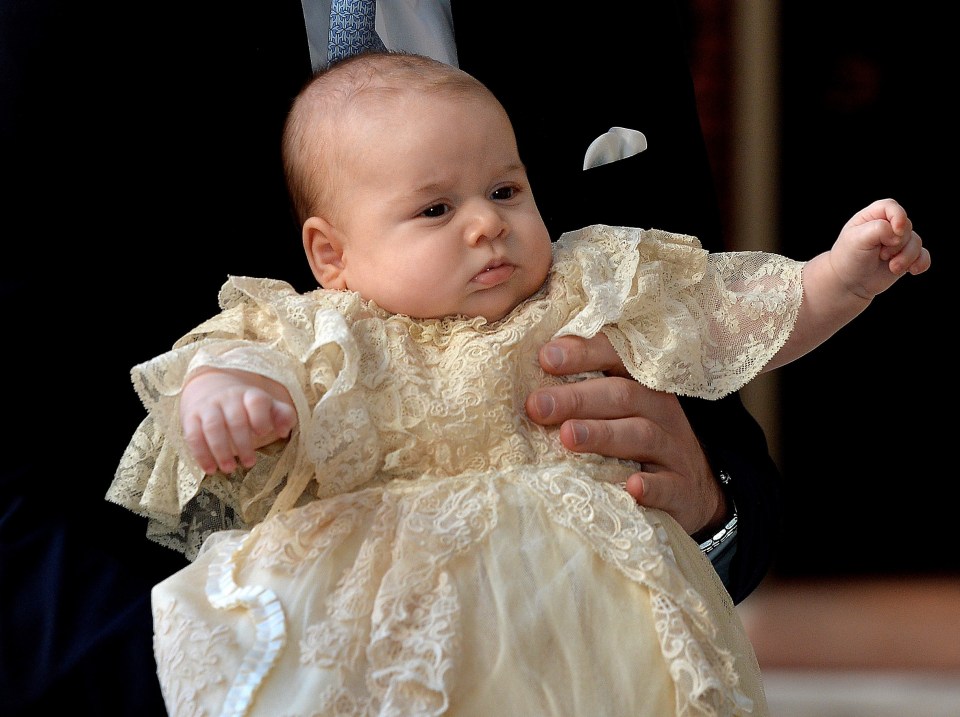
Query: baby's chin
(490,315)
(493,315)
(490,304)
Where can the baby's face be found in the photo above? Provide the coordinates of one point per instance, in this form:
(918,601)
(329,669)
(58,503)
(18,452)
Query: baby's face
(438,216)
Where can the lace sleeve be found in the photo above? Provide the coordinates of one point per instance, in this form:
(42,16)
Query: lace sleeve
(158,477)
(311,354)
(740,314)
(682,320)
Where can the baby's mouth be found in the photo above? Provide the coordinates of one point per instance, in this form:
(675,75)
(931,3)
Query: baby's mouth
(496,272)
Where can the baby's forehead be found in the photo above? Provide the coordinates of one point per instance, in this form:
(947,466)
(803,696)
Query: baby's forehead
(395,90)
(390,104)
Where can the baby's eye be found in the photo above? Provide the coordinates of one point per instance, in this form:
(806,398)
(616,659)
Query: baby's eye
(503,193)
(437,210)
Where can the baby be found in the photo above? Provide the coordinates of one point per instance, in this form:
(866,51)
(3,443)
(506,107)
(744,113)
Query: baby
(393,536)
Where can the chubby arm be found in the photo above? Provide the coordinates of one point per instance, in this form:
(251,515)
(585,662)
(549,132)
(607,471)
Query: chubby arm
(874,249)
(227,414)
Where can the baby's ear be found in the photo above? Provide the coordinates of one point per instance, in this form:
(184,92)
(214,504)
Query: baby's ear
(324,252)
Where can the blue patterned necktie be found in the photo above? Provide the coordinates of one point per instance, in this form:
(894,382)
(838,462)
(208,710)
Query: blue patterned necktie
(352,28)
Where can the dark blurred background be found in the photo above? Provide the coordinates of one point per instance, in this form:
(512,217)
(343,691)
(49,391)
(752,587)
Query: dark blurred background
(857,109)
(810,109)
(862,427)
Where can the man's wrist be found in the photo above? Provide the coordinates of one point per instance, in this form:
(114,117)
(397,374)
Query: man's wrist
(723,536)
(726,533)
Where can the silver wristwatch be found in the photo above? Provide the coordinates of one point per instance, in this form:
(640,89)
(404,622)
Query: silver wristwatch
(729,531)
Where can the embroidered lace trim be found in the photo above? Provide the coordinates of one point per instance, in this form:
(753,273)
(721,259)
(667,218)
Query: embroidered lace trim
(388,404)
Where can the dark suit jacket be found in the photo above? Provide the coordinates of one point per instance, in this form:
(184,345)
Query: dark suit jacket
(562,91)
(141,154)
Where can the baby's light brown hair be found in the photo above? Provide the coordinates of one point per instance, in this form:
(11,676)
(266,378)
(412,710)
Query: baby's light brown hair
(315,151)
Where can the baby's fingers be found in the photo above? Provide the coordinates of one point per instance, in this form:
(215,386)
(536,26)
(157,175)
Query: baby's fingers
(270,418)
(259,409)
(240,442)
(895,238)
(903,249)
(888,210)
(207,438)
(913,257)
(284,418)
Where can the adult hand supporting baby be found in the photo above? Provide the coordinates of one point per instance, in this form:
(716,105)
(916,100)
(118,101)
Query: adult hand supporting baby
(616,416)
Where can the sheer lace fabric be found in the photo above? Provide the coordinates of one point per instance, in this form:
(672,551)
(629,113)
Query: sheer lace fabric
(460,560)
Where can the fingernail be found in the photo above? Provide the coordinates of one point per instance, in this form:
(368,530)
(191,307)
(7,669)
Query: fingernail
(545,404)
(580,433)
(553,356)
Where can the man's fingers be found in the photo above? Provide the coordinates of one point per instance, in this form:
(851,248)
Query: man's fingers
(660,490)
(615,416)
(593,398)
(617,438)
(573,354)
(637,488)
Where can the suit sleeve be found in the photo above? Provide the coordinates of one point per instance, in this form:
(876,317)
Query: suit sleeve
(735,443)
(562,91)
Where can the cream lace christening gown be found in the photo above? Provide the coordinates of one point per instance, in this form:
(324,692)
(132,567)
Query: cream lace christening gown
(418,546)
